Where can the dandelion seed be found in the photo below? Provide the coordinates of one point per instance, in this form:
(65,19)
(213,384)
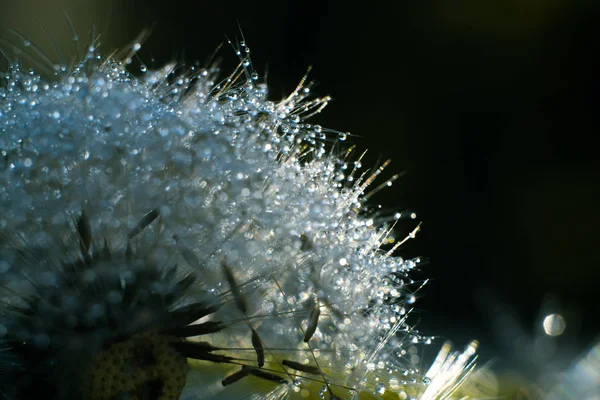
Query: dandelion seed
(236,376)
(313,320)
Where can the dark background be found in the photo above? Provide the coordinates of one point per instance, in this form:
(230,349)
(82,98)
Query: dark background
(490,107)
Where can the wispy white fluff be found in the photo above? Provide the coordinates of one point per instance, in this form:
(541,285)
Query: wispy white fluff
(239,180)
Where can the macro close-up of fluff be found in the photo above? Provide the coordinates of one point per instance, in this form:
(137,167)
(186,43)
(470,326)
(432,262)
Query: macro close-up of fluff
(187,230)
(179,235)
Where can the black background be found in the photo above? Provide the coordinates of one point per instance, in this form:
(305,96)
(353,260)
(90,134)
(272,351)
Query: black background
(489,107)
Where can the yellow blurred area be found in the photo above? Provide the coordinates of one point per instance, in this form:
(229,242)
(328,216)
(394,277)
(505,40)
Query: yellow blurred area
(516,19)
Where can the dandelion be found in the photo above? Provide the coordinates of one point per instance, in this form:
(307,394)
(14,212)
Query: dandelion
(180,235)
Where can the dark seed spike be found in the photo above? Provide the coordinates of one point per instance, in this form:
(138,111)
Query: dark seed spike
(204,346)
(204,328)
(105,255)
(184,284)
(239,299)
(177,291)
(144,222)
(313,321)
(129,295)
(84,230)
(128,252)
(268,376)
(192,312)
(236,376)
(191,350)
(309,369)
(258,347)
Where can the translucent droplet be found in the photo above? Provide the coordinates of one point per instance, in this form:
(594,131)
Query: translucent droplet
(554,325)
(380,388)
(143,68)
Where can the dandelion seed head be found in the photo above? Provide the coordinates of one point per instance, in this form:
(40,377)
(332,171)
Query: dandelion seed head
(248,196)
(94,326)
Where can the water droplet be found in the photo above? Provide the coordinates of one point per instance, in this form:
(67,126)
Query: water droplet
(143,68)
(380,388)
(311,186)
(55,115)
(554,325)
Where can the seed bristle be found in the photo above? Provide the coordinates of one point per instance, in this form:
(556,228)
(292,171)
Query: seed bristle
(198,352)
(240,300)
(84,230)
(309,369)
(204,328)
(190,313)
(143,223)
(236,376)
(267,376)
(313,321)
(258,347)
